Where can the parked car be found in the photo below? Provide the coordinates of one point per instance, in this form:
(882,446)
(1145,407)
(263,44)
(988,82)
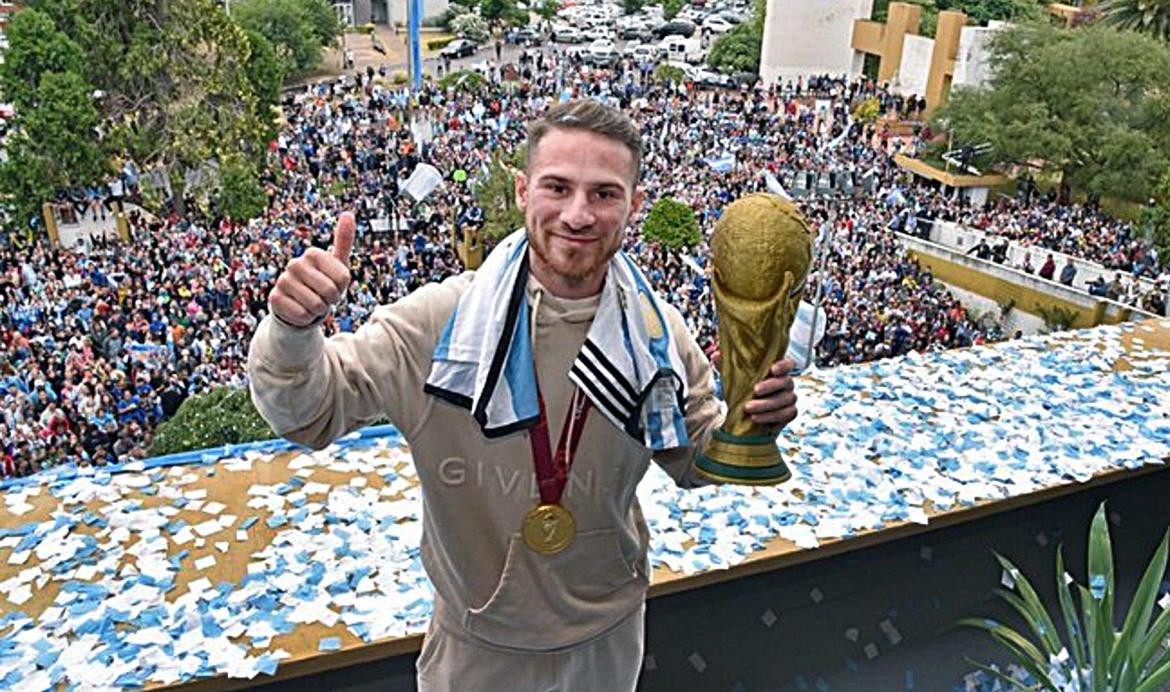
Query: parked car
(459,48)
(676,27)
(745,79)
(677,48)
(567,34)
(707,77)
(524,37)
(602,52)
(717,24)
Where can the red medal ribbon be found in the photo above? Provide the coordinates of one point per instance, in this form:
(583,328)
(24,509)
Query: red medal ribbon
(552,472)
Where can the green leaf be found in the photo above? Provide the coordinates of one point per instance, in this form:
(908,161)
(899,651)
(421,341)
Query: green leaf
(1142,607)
(1074,628)
(1025,652)
(1154,640)
(1156,681)
(1100,642)
(1101,558)
(1031,608)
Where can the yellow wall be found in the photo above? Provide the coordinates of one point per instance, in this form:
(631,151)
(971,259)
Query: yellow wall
(1001,291)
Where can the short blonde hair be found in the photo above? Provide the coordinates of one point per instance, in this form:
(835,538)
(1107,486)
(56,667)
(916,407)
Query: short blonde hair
(592,116)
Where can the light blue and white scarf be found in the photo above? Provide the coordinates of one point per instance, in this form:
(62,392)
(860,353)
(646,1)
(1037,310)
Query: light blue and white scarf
(629,366)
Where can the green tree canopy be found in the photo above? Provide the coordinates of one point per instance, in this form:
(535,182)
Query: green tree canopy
(241,195)
(673,224)
(222,416)
(1161,216)
(35,47)
(54,145)
(1090,104)
(291,26)
(547,9)
(495,193)
(266,74)
(738,50)
(979,12)
(1150,17)
(502,11)
(169,82)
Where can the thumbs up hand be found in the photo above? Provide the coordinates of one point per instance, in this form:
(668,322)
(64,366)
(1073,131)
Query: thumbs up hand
(315,281)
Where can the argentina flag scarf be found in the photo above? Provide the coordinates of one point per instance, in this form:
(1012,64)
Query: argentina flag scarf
(629,365)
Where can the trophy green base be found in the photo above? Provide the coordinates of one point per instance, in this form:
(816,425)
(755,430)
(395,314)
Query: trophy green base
(743,460)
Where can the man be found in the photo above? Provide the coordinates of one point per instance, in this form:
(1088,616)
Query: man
(556,340)
(1069,273)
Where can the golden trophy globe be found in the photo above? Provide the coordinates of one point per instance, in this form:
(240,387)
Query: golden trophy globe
(761,251)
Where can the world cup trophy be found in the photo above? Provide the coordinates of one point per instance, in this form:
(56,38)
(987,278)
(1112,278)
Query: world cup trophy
(761,250)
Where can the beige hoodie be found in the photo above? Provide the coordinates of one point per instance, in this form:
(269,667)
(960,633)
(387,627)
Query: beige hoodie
(476,491)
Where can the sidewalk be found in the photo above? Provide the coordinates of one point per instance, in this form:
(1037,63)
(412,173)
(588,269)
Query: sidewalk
(392,57)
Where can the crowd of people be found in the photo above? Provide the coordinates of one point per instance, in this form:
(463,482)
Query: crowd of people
(104,341)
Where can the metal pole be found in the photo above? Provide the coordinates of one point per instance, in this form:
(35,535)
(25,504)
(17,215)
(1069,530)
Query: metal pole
(822,261)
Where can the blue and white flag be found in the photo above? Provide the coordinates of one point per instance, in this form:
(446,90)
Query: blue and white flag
(774,186)
(721,164)
(808,321)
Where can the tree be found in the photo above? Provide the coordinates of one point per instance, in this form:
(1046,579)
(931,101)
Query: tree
(738,50)
(671,8)
(547,10)
(35,47)
(54,141)
(495,193)
(979,12)
(222,416)
(632,6)
(1161,218)
(241,195)
(502,11)
(289,25)
(1150,17)
(1089,104)
(265,72)
(471,26)
(53,145)
(174,78)
(668,73)
(673,224)
(323,20)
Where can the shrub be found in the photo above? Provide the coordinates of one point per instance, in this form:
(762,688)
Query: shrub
(669,73)
(462,79)
(673,224)
(867,111)
(439,43)
(222,416)
(471,26)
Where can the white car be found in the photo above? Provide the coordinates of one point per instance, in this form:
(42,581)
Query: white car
(602,51)
(642,52)
(717,24)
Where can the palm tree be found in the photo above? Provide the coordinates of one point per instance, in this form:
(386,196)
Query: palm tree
(1150,17)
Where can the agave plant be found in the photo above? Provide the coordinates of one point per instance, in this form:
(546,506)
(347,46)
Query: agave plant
(1092,655)
(1150,17)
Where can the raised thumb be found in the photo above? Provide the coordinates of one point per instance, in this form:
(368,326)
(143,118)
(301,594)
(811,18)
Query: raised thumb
(343,236)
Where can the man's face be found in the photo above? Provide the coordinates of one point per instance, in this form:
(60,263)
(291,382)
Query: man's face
(577,198)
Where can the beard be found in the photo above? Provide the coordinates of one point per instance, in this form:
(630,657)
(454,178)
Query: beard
(574,264)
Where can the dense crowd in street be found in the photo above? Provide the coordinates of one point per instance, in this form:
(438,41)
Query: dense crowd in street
(103,342)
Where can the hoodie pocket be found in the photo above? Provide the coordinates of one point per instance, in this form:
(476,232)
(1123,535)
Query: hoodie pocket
(547,602)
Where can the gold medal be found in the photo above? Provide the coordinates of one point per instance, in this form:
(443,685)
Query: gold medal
(548,529)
